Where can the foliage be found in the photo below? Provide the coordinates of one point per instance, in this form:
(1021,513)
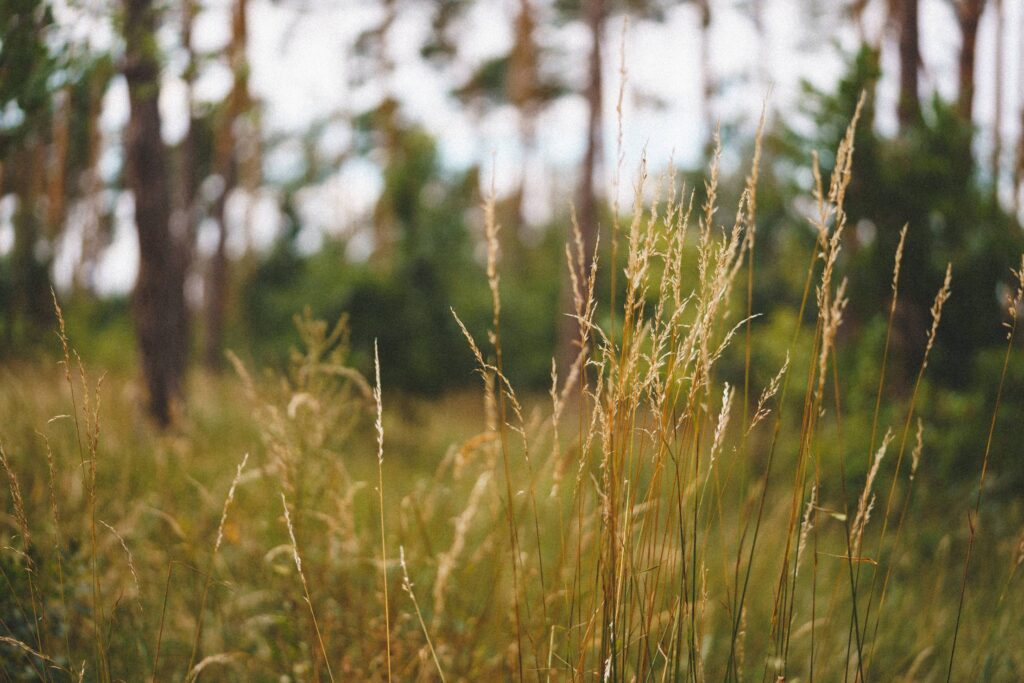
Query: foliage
(402,297)
(49,99)
(926,179)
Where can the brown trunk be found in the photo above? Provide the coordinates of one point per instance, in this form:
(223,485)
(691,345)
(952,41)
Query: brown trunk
(523,92)
(188,177)
(968,14)
(909,111)
(161,318)
(387,123)
(592,156)
(997,135)
(56,208)
(92,185)
(707,87)
(856,9)
(1018,166)
(764,77)
(226,160)
(30,279)
(216,298)
(586,209)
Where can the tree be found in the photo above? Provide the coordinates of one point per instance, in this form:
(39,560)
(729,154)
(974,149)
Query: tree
(513,78)
(926,179)
(909,111)
(161,317)
(1018,163)
(49,93)
(26,66)
(968,15)
(997,122)
(227,162)
(193,163)
(594,14)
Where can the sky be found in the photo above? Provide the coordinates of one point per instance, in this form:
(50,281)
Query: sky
(301,72)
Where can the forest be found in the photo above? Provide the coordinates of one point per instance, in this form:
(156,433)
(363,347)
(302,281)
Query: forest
(511,340)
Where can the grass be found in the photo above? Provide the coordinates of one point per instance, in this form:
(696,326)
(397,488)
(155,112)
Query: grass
(645,521)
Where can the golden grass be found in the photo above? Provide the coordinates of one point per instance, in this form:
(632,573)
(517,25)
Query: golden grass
(647,520)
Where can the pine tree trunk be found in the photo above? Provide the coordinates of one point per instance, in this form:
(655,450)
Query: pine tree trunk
(586,208)
(92,186)
(31,307)
(1018,165)
(909,111)
(763,68)
(707,87)
(161,318)
(968,14)
(523,92)
(216,295)
(997,135)
(216,299)
(188,178)
(592,157)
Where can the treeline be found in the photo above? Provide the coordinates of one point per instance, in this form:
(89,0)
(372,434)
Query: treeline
(191,302)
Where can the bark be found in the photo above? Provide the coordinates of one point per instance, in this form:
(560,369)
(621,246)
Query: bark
(586,208)
(56,178)
(968,15)
(763,67)
(216,299)
(189,162)
(1018,166)
(524,94)
(707,87)
(161,318)
(909,111)
(997,135)
(31,307)
(387,123)
(92,186)
(523,86)
(592,157)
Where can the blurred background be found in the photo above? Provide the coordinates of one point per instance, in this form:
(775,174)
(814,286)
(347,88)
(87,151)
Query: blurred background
(188,175)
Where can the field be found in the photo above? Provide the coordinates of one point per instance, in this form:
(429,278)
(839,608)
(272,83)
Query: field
(647,520)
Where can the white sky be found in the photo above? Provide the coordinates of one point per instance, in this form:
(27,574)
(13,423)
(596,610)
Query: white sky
(300,70)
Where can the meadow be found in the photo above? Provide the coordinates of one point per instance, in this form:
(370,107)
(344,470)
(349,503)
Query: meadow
(651,518)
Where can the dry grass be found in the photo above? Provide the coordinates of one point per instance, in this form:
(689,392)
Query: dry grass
(647,522)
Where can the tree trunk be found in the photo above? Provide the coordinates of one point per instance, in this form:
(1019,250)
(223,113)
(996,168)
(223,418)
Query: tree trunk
(763,67)
(586,209)
(31,307)
(997,135)
(92,186)
(909,111)
(707,87)
(216,295)
(226,160)
(1018,166)
(189,163)
(968,14)
(524,94)
(161,318)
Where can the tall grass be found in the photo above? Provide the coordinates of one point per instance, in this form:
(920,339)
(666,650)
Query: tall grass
(648,520)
